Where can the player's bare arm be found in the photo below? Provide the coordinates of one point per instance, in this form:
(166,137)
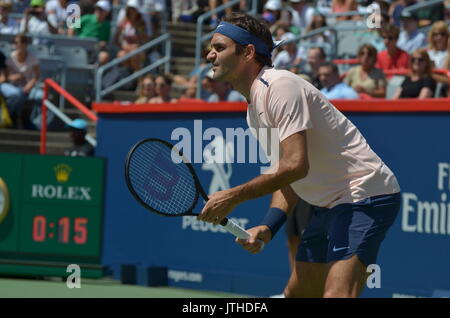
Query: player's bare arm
(293,166)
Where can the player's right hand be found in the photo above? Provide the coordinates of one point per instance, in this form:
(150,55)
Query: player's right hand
(257,234)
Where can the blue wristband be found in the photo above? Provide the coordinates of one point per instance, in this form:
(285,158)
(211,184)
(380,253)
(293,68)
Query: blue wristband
(274,219)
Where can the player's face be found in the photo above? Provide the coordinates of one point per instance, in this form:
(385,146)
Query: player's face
(226,64)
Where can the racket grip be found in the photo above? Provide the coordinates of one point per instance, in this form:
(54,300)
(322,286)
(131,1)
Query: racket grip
(237,230)
(234,229)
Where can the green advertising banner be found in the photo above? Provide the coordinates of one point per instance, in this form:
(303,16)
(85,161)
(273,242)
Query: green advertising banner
(51,212)
(10,177)
(64,180)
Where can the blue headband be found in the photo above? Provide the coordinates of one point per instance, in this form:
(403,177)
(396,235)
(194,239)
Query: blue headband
(242,36)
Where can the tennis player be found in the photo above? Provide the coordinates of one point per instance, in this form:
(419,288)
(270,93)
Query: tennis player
(324,159)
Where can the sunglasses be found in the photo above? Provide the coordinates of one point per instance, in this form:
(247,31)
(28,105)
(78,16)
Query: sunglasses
(443,34)
(390,38)
(417,59)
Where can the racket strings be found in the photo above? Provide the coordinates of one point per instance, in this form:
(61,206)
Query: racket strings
(163,185)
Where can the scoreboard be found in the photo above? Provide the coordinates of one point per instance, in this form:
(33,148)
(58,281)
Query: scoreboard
(50,214)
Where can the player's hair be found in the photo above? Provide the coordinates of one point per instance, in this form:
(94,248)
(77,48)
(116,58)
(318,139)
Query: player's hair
(256,28)
(330,65)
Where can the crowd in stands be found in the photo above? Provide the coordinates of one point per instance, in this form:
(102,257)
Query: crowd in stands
(412,44)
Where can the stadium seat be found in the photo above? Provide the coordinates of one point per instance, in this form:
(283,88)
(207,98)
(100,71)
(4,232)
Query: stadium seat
(5,47)
(392,85)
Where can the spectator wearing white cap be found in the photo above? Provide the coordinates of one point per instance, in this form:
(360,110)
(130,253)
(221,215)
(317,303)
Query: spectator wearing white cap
(96,25)
(272,14)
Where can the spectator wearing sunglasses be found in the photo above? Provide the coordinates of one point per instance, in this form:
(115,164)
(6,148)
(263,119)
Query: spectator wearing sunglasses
(393,58)
(163,86)
(366,79)
(420,83)
(438,43)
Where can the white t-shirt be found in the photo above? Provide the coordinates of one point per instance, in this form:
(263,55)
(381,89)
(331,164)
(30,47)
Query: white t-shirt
(303,18)
(35,26)
(438,57)
(283,60)
(342,166)
(25,68)
(60,15)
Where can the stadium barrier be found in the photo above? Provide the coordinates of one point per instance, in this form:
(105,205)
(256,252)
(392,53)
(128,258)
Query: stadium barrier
(49,83)
(411,136)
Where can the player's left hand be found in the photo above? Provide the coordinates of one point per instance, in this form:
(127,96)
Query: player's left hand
(220,204)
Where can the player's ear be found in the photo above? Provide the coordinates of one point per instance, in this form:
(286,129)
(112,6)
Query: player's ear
(249,52)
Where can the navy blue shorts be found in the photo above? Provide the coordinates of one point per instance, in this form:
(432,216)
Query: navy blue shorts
(347,229)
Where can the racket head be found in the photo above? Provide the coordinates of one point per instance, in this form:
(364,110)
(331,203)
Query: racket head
(161,179)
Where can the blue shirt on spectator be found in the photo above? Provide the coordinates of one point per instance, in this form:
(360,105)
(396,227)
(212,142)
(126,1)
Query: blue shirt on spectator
(233,96)
(411,42)
(340,91)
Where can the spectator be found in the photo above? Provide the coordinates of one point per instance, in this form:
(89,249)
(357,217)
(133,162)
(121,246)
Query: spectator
(57,14)
(80,146)
(96,25)
(23,69)
(7,24)
(420,83)
(146,89)
(366,78)
(316,56)
(396,9)
(154,9)
(182,10)
(214,4)
(302,14)
(285,59)
(272,14)
(393,58)
(163,86)
(333,87)
(132,32)
(222,91)
(35,20)
(319,21)
(12,94)
(342,6)
(189,94)
(410,38)
(438,43)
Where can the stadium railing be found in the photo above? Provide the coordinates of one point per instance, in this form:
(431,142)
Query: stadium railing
(46,104)
(422,5)
(163,39)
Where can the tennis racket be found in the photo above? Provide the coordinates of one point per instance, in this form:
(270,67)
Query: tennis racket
(162,180)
